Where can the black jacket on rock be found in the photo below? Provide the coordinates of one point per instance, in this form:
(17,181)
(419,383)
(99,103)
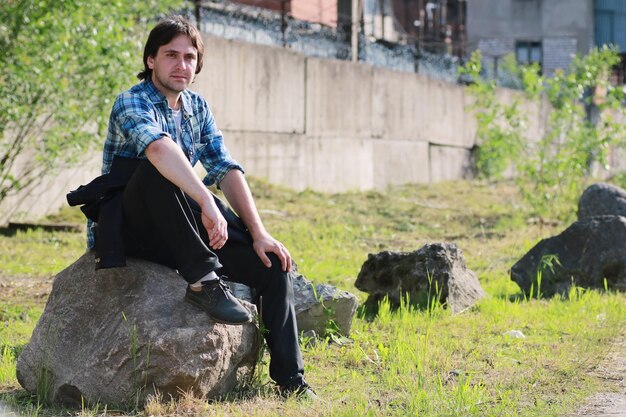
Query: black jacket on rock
(101,201)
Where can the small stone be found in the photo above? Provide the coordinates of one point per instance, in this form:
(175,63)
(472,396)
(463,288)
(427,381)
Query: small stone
(515,334)
(315,305)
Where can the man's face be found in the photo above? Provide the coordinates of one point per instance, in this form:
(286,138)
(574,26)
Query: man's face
(174,65)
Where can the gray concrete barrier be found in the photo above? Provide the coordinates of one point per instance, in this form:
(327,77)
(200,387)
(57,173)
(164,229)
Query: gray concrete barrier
(315,123)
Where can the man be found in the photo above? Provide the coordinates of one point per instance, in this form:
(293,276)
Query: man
(170,217)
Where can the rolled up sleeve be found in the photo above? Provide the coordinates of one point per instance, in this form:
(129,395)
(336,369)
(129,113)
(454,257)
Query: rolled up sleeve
(214,156)
(136,120)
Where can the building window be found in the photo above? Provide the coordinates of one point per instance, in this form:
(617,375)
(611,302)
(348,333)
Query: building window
(618,74)
(528,52)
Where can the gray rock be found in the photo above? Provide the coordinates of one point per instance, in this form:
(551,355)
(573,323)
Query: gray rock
(602,199)
(435,270)
(114,336)
(315,305)
(588,251)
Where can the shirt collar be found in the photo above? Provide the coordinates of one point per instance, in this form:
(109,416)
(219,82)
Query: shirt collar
(157,96)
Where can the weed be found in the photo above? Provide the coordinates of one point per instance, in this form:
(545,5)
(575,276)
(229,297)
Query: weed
(140,366)
(433,298)
(259,375)
(546,264)
(7,365)
(331,330)
(45,382)
(45,378)
(558,165)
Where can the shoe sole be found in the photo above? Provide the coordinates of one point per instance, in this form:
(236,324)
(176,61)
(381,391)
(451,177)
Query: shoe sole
(201,307)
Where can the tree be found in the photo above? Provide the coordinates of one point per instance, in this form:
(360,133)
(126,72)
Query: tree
(556,167)
(61,64)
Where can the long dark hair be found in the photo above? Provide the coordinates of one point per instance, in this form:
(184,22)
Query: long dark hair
(163,33)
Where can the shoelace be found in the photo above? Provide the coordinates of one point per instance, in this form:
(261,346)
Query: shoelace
(209,285)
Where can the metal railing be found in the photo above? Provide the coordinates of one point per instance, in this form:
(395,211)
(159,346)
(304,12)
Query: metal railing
(276,27)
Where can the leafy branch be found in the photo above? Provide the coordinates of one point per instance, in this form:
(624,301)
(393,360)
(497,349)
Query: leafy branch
(61,64)
(582,128)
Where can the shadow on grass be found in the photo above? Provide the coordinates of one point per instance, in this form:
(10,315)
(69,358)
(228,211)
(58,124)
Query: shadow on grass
(518,297)
(17,401)
(369,310)
(15,350)
(7,231)
(13,227)
(423,302)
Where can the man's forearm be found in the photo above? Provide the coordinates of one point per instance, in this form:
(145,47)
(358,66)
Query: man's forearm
(237,192)
(169,160)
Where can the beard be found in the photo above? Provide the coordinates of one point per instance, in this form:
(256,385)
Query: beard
(170,84)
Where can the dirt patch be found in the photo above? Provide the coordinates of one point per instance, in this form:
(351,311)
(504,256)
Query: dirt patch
(612,370)
(25,290)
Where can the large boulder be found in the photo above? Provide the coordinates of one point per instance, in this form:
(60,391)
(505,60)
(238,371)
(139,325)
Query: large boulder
(114,336)
(602,199)
(586,253)
(436,270)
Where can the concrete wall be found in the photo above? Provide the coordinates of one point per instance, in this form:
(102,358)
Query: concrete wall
(48,196)
(313,123)
(334,125)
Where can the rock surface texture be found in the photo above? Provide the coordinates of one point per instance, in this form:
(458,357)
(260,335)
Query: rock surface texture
(588,251)
(113,336)
(602,199)
(315,305)
(436,267)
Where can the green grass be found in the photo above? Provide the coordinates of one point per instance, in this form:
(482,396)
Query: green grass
(16,325)
(403,363)
(37,253)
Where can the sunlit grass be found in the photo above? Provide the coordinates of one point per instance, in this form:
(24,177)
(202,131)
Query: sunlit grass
(37,252)
(408,362)
(16,325)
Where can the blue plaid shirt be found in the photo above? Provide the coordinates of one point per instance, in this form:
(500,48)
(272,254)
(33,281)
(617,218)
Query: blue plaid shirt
(142,115)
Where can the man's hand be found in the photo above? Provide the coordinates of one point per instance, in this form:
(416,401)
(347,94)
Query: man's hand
(264,244)
(237,192)
(215,225)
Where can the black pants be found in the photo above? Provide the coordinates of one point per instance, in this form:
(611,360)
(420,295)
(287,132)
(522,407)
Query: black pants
(163,225)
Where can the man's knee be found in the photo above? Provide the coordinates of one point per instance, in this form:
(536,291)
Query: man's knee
(278,279)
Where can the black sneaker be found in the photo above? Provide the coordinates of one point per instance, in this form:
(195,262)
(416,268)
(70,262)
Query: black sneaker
(218,302)
(299,390)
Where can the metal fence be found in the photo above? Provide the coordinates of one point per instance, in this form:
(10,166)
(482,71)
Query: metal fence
(275,26)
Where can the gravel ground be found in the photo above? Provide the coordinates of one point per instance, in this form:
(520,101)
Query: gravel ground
(612,370)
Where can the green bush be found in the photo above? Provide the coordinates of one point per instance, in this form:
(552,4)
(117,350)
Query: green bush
(582,125)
